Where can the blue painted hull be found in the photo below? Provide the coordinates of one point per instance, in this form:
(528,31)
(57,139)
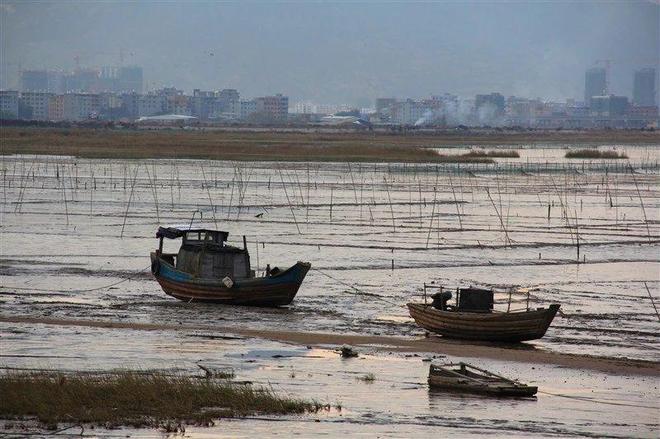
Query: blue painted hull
(275,290)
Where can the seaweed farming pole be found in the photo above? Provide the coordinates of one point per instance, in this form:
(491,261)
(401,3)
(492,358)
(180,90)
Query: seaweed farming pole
(577,237)
(652,302)
(289,201)
(390,200)
(646,221)
(231,195)
(458,212)
(130,197)
(428,236)
(66,206)
(507,240)
(152,183)
(208,192)
(331,193)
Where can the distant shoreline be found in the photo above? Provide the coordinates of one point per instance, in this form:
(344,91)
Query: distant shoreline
(291,144)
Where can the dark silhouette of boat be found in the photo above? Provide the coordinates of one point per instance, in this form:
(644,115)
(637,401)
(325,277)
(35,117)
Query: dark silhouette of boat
(466,378)
(206,269)
(473,318)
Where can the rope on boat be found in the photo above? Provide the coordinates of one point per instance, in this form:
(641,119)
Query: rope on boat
(9,287)
(358,292)
(599,401)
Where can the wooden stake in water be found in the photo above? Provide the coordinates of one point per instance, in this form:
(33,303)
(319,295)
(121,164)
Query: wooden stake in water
(289,201)
(641,202)
(130,197)
(208,192)
(458,211)
(331,193)
(652,302)
(390,202)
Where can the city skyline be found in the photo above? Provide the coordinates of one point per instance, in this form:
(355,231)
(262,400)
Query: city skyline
(349,54)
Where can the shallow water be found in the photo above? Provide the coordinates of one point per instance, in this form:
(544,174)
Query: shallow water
(71,224)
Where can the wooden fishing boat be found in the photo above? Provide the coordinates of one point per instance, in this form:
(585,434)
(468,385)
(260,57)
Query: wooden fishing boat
(206,269)
(463,377)
(473,317)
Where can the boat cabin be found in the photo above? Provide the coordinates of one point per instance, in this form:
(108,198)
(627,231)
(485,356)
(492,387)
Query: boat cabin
(466,299)
(205,254)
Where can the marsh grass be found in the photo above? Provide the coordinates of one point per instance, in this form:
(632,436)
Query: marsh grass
(281,146)
(136,399)
(594,154)
(219,145)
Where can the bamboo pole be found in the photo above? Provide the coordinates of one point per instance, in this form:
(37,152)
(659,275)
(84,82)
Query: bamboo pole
(289,201)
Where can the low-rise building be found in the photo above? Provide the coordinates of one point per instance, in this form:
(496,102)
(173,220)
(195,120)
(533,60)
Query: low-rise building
(248,108)
(273,108)
(37,104)
(81,106)
(152,104)
(8,104)
(609,106)
(56,108)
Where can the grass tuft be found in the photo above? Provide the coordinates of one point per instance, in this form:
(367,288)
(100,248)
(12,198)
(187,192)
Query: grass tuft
(367,378)
(136,399)
(594,154)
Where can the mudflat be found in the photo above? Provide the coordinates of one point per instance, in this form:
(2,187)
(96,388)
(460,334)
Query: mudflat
(431,345)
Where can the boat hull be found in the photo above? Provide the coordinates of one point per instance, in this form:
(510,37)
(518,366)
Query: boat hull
(275,290)
(493,389)
(504,327)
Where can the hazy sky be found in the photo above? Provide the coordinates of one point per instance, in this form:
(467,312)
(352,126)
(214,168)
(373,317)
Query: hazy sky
(341,52)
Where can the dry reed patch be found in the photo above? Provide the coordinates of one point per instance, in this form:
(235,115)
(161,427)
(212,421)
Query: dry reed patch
(136,399)
(594,154)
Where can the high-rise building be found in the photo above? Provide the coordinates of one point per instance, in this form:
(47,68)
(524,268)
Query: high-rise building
(595,84)
(82,81)
(644,87)
(34,80)
(129,79)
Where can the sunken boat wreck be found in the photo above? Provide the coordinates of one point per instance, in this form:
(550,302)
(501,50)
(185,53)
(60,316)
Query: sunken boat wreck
(207,269)
(472,317)
(466,378)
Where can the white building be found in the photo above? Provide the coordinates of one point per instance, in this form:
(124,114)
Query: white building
(9,103)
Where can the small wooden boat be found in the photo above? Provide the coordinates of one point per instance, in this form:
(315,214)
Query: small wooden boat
(473,317)
(463,377)
(206,269)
